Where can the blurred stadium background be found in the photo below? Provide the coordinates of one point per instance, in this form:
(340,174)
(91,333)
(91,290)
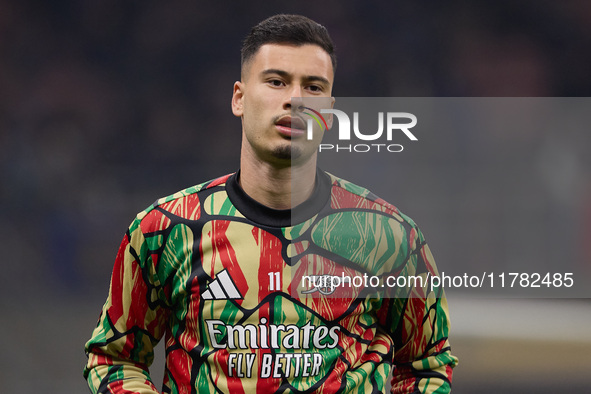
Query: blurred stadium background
(107,105)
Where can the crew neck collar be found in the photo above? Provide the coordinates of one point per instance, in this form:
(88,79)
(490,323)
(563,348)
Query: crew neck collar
(264,215)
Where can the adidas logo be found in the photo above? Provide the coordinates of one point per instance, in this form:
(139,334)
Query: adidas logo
(222,288)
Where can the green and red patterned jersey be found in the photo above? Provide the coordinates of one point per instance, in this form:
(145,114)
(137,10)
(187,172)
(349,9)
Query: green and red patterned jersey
(221,277)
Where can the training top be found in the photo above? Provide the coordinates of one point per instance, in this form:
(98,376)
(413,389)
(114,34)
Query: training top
(256,300)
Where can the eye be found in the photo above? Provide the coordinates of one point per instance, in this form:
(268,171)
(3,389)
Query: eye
(315,88)
(275,82)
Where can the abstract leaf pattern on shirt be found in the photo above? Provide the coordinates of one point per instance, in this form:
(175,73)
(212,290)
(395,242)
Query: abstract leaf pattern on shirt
(267,336)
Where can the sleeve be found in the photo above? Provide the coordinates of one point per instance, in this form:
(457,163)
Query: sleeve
(418,321)
(132,321)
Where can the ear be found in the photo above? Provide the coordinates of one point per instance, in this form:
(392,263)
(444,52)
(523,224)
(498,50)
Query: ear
(238,99)
(330,117)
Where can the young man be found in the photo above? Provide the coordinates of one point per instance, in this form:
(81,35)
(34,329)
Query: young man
(215,268)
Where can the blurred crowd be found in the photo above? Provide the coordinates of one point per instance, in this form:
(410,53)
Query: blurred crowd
(107,105)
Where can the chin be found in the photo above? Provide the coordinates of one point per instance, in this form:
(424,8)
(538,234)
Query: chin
(287,152)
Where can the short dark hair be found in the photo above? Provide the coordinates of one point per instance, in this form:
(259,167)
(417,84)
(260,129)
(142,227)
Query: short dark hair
(287,29)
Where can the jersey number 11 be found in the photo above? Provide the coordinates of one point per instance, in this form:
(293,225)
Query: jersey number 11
(274,285)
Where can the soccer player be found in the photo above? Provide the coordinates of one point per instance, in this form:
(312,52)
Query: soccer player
(210,268)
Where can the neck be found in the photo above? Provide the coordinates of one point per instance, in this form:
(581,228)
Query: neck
(277,187)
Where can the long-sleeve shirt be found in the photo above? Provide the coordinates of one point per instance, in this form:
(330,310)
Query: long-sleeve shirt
(332,296)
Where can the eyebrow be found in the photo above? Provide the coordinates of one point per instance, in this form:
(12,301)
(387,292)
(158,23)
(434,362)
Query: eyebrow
(285,74)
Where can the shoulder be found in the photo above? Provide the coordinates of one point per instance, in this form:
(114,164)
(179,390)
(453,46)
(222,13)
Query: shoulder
(185,204)
(345,194)
(349,197)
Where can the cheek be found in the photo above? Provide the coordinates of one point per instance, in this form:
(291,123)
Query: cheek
(259,108)
(253,117)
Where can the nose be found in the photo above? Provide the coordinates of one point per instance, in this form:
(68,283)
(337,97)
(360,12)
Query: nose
(293,99)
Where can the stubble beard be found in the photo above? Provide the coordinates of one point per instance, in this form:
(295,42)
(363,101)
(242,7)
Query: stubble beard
(287,152)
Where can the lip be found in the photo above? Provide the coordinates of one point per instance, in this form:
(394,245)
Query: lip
(291,126)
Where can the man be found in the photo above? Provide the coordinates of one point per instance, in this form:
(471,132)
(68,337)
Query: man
(210,267)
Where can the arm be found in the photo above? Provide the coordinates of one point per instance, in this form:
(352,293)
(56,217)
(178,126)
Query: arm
(419,324)
(132,322)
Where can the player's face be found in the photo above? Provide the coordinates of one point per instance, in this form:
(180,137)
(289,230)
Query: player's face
(263,99)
